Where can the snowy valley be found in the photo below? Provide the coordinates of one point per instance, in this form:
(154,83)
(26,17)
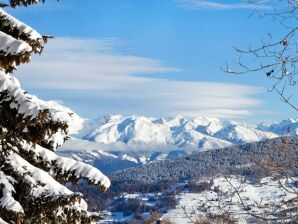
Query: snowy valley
(188,188)
(177,163)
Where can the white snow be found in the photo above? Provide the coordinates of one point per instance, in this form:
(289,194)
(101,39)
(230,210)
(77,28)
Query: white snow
(144,159)
(289,126)
(35,175)
(127,157)
(2,221)
(7,201)
(30,106)
(132,196)
(20,40)
(21,27)
(11,46)
(67,165)
(266,192)
(156,134)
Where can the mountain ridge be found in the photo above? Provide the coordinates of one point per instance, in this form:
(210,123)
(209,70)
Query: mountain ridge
(178,132)
(114,142)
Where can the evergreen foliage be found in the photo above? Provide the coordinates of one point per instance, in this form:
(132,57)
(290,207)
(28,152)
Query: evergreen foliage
(32,176)
(234,160)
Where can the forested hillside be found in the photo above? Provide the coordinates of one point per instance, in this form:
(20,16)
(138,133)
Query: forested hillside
(234,159)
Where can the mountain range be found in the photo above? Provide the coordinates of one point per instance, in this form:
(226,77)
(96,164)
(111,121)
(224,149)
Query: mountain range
(115,142)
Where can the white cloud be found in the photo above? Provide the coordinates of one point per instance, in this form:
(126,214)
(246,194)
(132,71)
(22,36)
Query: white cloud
(201,4)
(74,144)
(108,80)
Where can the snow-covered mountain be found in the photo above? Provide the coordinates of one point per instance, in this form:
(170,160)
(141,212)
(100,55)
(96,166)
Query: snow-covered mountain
(285,127)
(121,142)
(176,133)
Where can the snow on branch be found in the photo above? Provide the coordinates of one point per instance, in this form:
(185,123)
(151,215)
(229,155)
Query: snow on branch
(2,221)
(46,123)
(39,188)
(17,42)
(9,46)
(31,174)
(7,201)
(29,105)
(61,168)
(13,52)
(20,31)
(42,184)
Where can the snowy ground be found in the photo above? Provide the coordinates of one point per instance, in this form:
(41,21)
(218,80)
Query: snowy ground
(264,193)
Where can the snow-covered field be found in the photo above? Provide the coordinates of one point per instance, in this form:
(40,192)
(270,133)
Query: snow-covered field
(193,206)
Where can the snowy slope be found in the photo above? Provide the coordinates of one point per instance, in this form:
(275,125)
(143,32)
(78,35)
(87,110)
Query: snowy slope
(121,142)
(254,195)
(289,126)
(136,132)
(240,133)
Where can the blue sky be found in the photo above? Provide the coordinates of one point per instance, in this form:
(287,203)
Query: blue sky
(154,58)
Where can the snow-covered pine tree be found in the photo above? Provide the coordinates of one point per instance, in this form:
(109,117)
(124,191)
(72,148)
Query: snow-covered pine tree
(32,176)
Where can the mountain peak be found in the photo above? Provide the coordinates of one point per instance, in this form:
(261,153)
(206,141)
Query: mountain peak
(179,132)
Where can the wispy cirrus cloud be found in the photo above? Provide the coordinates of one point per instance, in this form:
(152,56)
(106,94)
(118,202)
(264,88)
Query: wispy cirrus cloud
(221,5)
(98,75)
